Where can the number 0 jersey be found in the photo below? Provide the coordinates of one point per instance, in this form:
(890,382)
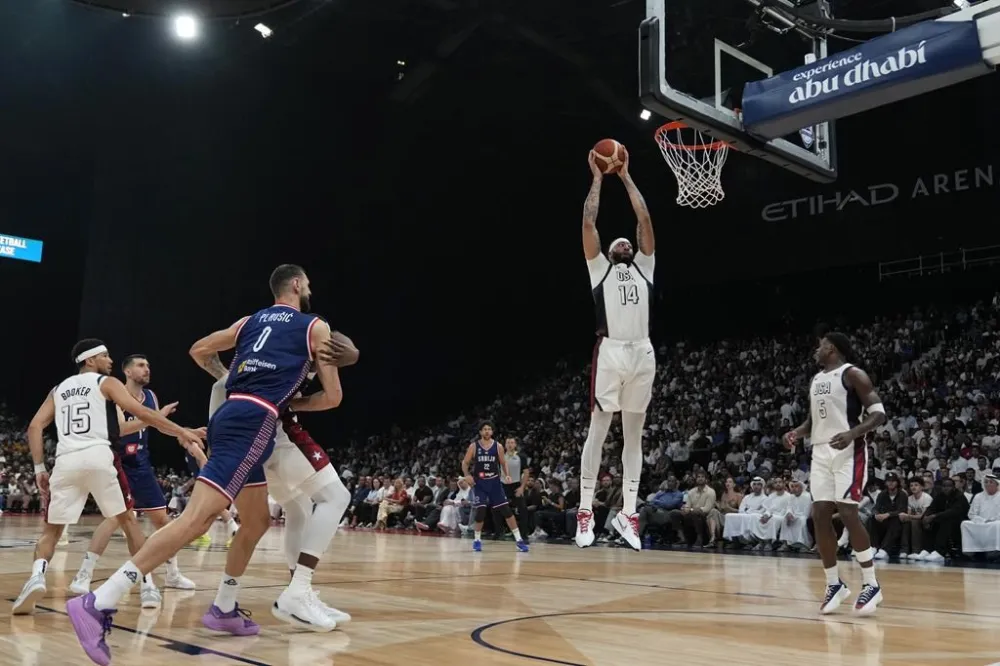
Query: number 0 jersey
(84,417)
(623,294)
(834,407)
(273,354)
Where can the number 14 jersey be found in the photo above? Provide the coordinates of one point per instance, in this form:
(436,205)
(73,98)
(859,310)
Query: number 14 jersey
(273,354)
(623,294)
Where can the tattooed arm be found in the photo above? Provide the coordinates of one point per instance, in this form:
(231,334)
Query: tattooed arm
(205,352)
(644,228)
(591,240)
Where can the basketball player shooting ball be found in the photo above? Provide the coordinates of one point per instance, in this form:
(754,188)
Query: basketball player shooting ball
(624,360)
(838,395)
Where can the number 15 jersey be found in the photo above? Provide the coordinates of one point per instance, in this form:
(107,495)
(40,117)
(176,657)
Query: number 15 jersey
(84,417)
(623,294)
(273,354)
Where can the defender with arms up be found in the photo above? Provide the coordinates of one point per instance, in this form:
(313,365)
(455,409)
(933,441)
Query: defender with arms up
(838,396)
(624,360)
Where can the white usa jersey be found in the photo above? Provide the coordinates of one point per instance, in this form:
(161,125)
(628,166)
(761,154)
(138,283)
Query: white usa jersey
(84,417)
(833,406)
(623,294)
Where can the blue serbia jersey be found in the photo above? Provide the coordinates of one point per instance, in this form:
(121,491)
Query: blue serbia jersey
(135,447)
(487,465)
(273,355)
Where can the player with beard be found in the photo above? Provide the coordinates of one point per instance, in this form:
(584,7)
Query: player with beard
(87,408)
(147,496)
(274,352)
(838,397)
(624,362)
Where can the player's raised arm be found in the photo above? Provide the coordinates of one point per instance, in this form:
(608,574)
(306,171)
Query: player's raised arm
(114,390)
(205,352)
(591,240)
(329,376)
(644,227)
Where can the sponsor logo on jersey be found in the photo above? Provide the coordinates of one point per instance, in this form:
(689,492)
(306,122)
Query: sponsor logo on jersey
(255,364)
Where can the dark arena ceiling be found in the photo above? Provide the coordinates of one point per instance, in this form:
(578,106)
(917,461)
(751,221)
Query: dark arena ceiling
(205,9)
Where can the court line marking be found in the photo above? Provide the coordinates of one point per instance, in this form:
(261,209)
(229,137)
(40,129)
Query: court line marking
(477,633)
(174,644)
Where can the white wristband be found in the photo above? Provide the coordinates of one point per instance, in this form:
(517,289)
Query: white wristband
(40,468)
(877,407)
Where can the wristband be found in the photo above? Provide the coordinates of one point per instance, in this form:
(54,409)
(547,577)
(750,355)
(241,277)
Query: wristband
(40,468)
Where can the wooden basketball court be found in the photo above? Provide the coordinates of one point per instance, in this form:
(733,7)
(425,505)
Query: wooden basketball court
(424,600)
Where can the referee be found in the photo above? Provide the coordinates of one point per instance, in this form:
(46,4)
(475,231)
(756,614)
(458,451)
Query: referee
(515,489)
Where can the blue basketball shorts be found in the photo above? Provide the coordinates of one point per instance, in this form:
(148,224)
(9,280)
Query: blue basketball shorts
(489,493)
(241,438)
(146,492)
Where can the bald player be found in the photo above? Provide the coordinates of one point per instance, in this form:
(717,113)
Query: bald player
(624,361)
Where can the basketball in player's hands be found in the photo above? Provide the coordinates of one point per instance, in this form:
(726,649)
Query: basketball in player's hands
(339,350)
(610,155)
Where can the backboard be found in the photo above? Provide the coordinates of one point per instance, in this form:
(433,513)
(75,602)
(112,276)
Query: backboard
(681,79)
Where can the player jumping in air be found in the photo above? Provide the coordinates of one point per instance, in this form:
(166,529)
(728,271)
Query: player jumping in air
(624,361)
(838,396)
(487,457)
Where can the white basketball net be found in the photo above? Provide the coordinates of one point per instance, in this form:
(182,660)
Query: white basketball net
(696,160)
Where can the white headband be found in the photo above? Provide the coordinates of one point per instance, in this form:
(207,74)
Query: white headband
(619,240)
(90,353)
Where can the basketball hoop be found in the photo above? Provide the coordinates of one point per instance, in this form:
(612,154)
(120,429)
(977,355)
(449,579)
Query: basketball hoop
(696,160)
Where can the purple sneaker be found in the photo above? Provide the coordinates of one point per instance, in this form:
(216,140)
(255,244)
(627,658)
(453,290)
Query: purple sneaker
(91,626)
(236,622)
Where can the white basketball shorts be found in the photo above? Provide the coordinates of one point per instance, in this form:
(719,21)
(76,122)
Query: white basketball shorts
(839,475)
(622,375)
(81,473)
(292,471)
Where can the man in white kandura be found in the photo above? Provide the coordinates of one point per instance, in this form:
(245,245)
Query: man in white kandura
(794,528)
(87,408)
(624,359)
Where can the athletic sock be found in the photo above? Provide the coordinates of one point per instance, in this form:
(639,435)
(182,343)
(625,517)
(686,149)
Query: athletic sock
(89,562)
(868,576)
(832,575)
(517,534)
(229,589)
(39,567)
(106,597)
(172,569)
(479,535)
(301,580)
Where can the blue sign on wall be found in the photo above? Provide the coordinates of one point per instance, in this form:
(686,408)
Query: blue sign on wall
(25,249)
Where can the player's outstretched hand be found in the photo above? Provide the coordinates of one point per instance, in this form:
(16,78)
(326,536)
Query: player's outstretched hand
(841,440)
(339,350)
(594,168)
(167,410)
(790,439)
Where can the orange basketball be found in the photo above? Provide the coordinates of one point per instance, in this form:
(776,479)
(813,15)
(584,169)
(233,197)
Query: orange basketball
(610,155)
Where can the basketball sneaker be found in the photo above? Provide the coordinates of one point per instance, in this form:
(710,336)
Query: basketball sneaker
(522,546)
(81,582)
(868,600)
(628,527)
(584,528)
(149,596)
(31,593)
(236,622)
(178,581)
(477,546)
(338,616)
(204,541)
(302,611)
(91,626)
(835,595)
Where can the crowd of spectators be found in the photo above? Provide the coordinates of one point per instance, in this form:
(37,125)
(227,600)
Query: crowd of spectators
(712,447)
(719,410)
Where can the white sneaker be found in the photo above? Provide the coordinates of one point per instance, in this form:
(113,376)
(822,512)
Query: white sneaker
(628,527)
(922,556)
(868,600)
(302,611)
(584,528)
(844,539)
(905,556)
(935,557)
(835,595)
(338,616)
(81,582)
(881,555)
(178,581)
(149,596)
(31,593)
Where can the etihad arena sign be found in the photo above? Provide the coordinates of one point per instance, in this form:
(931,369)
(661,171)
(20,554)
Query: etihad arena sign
(880,194)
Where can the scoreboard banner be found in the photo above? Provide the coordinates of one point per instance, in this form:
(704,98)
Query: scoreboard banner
(25,249)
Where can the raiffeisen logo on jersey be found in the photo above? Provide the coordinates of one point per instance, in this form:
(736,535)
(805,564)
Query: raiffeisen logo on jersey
(255,364)
(864,71)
